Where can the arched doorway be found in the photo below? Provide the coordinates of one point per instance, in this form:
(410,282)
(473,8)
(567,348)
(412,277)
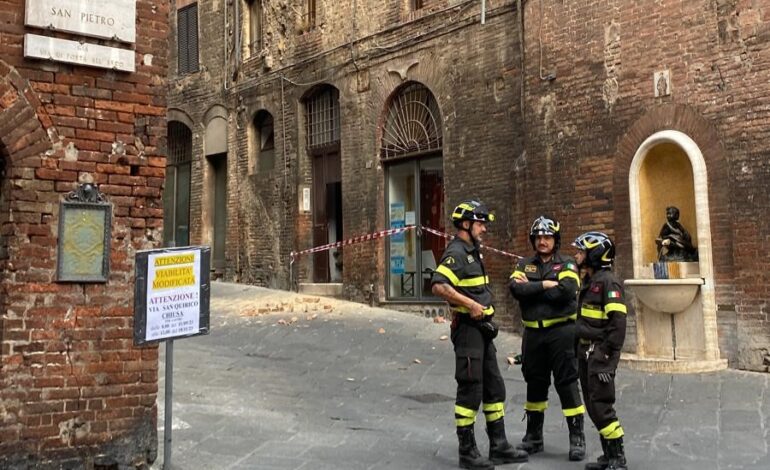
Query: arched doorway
(215,206)
(411,152)
(322,112)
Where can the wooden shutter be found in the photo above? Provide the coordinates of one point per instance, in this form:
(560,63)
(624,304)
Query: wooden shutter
(187,38)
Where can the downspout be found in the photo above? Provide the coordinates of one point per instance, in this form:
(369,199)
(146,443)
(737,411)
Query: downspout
(224,55)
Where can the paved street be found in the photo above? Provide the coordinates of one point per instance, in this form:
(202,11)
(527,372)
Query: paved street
(336,385)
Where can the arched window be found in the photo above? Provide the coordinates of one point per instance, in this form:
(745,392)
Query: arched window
(411,125)
(263,142)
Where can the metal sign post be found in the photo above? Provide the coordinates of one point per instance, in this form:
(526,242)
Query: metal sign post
(171,300)
(169,392)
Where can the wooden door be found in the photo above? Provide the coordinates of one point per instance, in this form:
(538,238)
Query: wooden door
(327,170)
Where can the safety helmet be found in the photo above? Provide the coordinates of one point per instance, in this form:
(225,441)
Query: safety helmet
(600,251)
(545,226)
(473,211)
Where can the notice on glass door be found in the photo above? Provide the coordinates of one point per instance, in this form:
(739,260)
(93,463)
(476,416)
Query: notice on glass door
(397,245)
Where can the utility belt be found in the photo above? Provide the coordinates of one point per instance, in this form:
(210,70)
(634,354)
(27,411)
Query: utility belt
(486,326)
(459,309)
(550,322)
(587,342)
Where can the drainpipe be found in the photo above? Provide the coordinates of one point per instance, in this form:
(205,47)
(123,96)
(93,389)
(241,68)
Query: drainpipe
(483,11)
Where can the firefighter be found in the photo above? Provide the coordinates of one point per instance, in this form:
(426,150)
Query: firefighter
(462,281)
(601,330)
(546,286)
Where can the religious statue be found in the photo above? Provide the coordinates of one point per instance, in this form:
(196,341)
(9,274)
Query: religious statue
(674,242)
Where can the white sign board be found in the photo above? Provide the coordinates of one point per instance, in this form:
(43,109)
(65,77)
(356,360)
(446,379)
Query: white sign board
(111,19)
(173,294)
(73,52)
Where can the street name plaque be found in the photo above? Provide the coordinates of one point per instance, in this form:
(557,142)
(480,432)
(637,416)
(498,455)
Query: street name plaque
(81,53)
(110,19)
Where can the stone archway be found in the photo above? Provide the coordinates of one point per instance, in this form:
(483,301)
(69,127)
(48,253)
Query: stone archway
(23,138)
(672,135)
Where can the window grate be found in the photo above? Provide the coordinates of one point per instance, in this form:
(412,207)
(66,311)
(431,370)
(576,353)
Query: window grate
(179,143)
(323,118)
(411,125)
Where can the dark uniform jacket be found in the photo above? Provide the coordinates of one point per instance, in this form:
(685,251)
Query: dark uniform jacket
(602,315)
(538,304)
(461,267)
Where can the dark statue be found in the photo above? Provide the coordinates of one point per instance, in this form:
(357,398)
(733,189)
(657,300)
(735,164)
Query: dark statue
(674,242)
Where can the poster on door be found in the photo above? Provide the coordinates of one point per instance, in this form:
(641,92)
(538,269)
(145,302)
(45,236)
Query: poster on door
(397,240)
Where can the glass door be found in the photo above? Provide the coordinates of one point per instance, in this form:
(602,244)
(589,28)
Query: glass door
(415,197)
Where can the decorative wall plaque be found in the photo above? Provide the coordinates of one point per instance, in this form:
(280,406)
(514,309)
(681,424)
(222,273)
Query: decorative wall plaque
(77,52)
(85,222)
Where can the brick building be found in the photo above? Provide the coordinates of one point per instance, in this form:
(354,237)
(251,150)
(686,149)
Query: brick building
(74,391)
(295,123)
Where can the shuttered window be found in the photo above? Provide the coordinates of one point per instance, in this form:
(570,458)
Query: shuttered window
(187,40)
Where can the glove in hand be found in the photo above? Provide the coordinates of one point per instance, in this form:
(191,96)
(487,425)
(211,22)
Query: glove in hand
(604,377)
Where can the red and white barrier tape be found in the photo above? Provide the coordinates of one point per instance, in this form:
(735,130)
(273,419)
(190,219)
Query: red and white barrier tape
(449,237)
(351,241)
(386,233)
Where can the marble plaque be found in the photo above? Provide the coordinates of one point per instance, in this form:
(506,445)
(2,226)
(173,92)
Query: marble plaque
(81,53)
(111,19)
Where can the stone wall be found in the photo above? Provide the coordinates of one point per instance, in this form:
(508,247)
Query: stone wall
(72,385)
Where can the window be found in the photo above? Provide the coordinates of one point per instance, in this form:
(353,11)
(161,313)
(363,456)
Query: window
(412,125)
(311,14)
(417,4)
(323,118)
(187,39)
(176,193)
(255,26)
(263,143)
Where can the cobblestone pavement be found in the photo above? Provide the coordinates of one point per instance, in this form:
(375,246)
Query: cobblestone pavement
(287,382)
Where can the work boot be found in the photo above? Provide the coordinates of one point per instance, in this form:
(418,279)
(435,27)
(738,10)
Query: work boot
(617,455)
(470,457)
(577,440)
(500,450)
(532,442)
(603,460)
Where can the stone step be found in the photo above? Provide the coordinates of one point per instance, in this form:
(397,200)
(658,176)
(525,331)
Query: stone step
(322,289)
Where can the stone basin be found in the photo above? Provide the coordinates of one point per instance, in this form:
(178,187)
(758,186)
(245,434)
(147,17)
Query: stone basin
(666,295)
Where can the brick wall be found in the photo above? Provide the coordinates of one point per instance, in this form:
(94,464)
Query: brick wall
(72,384)
(585,126)
(588,103)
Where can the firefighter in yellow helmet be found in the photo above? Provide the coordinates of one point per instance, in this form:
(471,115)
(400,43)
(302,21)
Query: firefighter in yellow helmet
(601,330)
(462,280)
(546,286)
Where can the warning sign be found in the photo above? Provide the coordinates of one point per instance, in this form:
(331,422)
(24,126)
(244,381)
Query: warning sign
(172,294)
